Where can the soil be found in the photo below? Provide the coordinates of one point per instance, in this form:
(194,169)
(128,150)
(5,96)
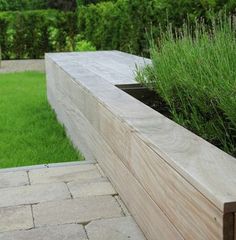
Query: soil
(148,97)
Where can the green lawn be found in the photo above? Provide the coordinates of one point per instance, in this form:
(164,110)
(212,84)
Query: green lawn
(29,131)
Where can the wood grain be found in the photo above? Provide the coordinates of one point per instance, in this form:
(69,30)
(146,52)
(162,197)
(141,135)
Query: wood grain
(154,173)
(140,204)
(183,186)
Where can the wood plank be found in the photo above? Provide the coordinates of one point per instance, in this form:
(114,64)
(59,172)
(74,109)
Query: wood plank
(119,137)
(56,100)
(161,181)
(152,220)
(190,155)
(190,181)
(112,67)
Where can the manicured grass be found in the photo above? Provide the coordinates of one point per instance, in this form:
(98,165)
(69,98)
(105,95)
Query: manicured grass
(29,131)
(195,74)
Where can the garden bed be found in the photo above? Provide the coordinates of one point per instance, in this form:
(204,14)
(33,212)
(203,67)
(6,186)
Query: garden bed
(146,96)
(156,102)
(176,185)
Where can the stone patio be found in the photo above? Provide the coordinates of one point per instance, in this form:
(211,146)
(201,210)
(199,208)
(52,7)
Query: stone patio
(8,66)
(62,202)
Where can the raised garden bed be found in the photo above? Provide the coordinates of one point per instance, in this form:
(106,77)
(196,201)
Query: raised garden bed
(176,185)
(146,96)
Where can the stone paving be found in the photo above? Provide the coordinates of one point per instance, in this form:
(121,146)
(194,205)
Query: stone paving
(22,65)
(62,202)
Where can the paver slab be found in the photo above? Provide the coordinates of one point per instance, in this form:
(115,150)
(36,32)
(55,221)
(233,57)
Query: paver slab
(100,187)
(15,218)
(13,179)
(33,194)
(61,232)
(123,228)
(64,174)
(80,210)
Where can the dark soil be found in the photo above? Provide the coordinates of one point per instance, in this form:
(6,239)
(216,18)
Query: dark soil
(148,97)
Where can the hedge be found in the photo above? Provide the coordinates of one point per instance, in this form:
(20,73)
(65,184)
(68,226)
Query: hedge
(30,34)
(13,5)
(23,5)
(121,25)
(124,24)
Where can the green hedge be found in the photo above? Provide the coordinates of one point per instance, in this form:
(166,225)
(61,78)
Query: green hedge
(123,24)
(13,5)
(30,34)
(120,24)
(23,5)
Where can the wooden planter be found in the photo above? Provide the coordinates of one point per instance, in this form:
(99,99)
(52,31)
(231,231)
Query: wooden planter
(176,185)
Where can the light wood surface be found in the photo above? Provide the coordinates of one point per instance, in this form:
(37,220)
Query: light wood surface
(139,202)
(189,181)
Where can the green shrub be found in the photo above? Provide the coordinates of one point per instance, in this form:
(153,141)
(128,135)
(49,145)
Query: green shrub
(96,25)
(21,5)
(29,34)
(3,37)
(84,45)
(123,24)
(195,74)
(86,2)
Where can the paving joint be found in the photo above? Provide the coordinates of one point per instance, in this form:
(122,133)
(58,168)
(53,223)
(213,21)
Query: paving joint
(32,212)
(69,190)
(27,172)
(118,202)
(85,230)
